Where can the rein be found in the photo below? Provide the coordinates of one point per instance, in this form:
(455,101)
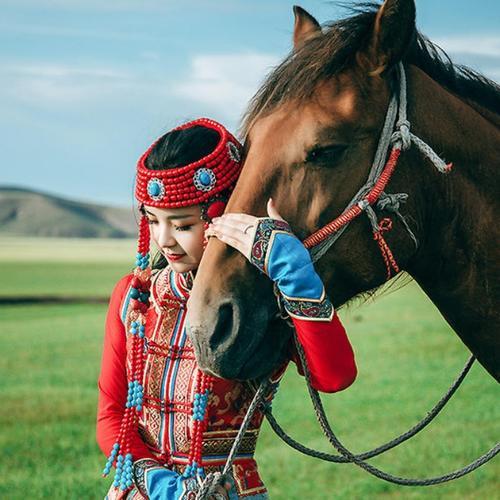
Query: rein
(397,137)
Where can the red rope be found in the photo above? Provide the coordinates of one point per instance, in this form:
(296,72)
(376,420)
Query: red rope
(387,255)
(355,210)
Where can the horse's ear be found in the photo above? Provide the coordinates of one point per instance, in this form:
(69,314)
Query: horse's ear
(394,31)
(305,27)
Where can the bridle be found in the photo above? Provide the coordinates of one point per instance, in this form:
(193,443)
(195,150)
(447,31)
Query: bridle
(396,137)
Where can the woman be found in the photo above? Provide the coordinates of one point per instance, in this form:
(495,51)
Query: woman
(163,422)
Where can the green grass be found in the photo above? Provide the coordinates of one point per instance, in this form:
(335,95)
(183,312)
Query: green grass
(407,357)
(57,266)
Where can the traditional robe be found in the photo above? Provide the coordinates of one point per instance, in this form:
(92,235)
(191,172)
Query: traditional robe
(165,425)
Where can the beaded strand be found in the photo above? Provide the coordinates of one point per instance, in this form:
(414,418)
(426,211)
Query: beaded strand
(204,385)
(207,182)
(120,454)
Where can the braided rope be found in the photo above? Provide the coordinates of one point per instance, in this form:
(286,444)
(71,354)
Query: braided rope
(325,425)
(393,443)
(215,478)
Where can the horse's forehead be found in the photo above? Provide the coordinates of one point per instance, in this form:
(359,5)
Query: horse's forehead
(333,103)
(337,99)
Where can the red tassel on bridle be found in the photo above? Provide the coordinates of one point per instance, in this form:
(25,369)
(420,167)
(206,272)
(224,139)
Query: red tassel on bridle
(389,260)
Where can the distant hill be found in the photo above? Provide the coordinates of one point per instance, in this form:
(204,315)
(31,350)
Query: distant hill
(24,212)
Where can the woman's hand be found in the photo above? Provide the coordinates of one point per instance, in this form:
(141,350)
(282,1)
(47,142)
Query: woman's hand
(238,230)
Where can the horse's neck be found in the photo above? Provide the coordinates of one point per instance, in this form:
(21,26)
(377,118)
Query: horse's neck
(457,263)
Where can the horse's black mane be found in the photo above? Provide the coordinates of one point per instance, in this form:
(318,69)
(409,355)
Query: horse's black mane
(327,55)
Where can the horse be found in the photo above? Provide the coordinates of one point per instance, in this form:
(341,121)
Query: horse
(310,136)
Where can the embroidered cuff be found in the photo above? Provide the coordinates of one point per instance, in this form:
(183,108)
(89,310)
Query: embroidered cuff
(279,254)
(309,309)
(264,235)
(139,474)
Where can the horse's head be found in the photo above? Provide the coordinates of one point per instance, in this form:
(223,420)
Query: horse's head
(311,134)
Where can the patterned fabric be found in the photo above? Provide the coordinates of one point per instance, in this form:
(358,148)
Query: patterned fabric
(169,383)
(266,228)
(139,473)
(321,310)
(278,253)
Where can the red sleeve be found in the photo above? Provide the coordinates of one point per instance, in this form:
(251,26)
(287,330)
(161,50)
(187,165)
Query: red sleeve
(328,352)
(113,380)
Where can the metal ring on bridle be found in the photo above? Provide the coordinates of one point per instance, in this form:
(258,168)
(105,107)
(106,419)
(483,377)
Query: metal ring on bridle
(247,228)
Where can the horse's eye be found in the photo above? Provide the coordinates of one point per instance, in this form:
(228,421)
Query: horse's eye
(325,155)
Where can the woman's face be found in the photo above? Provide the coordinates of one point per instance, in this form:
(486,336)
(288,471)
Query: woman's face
(178,234)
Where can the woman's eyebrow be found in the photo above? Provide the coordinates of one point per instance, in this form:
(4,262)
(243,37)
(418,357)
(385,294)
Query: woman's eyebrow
(170,217)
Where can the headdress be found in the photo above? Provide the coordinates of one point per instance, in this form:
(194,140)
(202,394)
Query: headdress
(208,182)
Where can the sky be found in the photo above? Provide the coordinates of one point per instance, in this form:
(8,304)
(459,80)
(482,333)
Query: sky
(87,85)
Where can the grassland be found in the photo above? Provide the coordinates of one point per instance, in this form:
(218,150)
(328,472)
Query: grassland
(406,354)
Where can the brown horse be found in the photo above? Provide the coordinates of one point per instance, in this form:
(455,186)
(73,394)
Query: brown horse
(310,138)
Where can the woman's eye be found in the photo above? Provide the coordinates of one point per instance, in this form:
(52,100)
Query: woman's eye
(183,228)
(325,155)
(151,222)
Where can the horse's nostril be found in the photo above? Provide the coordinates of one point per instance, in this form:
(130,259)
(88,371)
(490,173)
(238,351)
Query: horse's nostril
(224,326)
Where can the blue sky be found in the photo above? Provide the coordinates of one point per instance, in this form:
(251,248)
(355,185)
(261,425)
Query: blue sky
(87,85)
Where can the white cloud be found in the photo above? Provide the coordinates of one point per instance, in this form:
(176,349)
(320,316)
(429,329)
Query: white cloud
(117,5)
(49,84)
(225,82)
(483,45)
(69,86)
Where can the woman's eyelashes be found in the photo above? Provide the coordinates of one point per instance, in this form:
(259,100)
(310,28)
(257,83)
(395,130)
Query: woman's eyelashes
(187,227)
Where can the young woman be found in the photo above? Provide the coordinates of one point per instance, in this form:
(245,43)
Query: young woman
(162,422)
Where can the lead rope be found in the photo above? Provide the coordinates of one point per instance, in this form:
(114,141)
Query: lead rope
(375,451)
(350,457)
(216,478)
(382,448)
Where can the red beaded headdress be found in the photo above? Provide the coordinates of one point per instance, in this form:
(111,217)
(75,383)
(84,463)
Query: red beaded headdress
(207,182)
(196,183)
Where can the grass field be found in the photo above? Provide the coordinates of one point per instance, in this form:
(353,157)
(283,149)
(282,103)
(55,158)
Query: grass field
(407,356)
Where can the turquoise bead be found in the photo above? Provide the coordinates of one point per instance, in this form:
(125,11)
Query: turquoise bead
(154,189)
(204,178)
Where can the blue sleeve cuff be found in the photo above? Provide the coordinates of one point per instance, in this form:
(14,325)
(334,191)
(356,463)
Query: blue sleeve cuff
(278,253)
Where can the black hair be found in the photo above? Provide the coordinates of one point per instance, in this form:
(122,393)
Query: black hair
(182,147)
(176,149)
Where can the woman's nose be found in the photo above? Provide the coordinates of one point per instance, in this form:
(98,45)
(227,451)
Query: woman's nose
(166,238)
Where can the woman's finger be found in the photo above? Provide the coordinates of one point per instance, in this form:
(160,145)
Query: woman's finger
(239,217)
(229,225)
(238,240)
(272,211)
(230,240)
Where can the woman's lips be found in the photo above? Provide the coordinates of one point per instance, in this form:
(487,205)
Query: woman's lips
(175,256)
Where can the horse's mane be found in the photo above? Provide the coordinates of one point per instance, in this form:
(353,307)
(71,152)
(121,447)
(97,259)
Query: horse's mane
(327,55)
